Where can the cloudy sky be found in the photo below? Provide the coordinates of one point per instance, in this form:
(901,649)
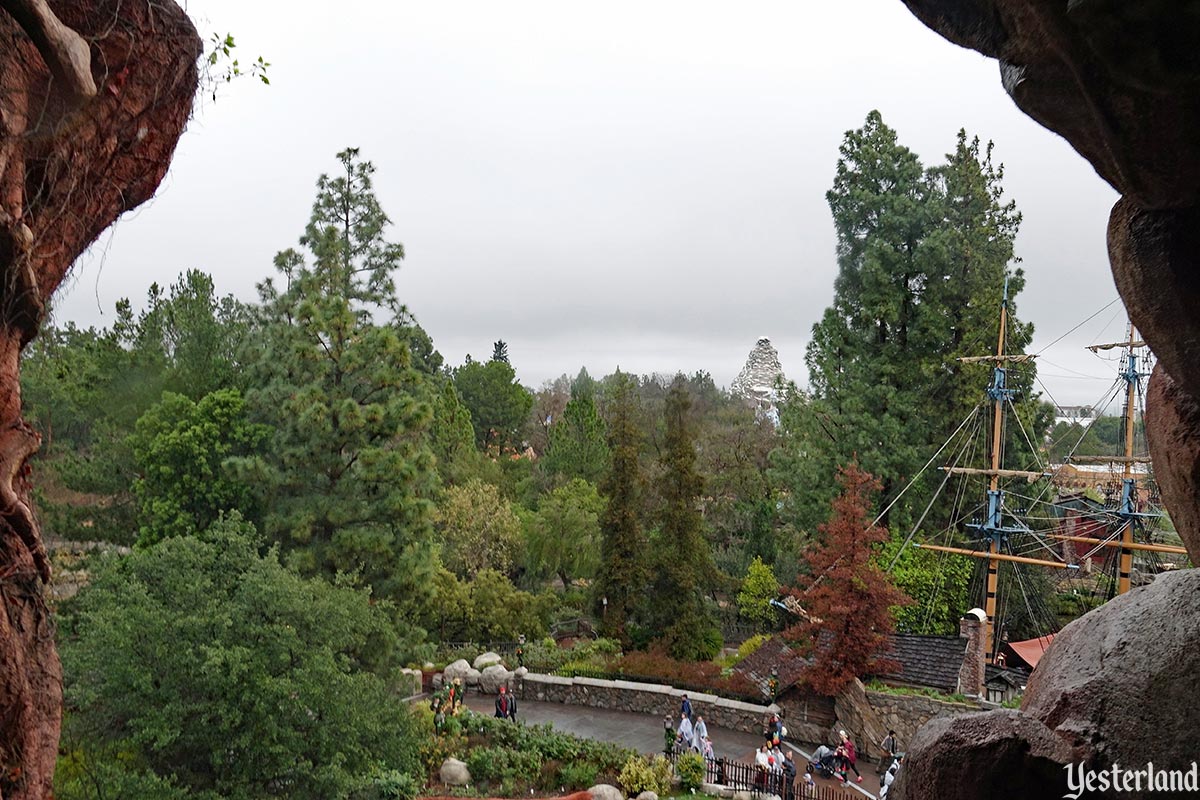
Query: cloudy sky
(628,183)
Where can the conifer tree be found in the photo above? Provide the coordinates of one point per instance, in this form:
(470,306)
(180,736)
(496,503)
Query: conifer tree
(847,595)
(683,562)
(621,577)
(349,469)
(577,447)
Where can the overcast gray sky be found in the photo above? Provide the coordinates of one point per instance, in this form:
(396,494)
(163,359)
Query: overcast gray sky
(628,183)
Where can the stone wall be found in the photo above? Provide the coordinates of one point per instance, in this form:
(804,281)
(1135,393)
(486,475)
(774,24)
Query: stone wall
(644,698)
(906,713)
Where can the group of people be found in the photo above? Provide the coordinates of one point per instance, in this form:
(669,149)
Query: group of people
(446,702)
(506,705)
(692,733)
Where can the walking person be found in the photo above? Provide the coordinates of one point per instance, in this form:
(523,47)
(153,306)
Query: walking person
(849,757)
(686,707)
(889,747)
(685,733)
(699,734)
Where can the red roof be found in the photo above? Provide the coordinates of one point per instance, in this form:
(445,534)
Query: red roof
(1031,650)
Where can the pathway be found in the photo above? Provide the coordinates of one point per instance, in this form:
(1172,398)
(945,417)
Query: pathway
(644,733)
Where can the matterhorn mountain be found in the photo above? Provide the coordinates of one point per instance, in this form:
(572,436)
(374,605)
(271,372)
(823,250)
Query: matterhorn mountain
(756,382)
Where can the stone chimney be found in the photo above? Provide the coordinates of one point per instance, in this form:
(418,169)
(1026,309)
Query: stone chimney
(971,675)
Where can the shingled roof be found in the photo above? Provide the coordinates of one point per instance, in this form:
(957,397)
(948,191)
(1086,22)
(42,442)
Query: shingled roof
(932,661)
(774,653)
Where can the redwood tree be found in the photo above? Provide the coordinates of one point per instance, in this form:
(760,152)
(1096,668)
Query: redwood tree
(93,98)
(847,596)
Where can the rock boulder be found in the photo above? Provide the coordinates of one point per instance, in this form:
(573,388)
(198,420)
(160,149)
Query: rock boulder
(493,677)
(1119,684)
(472,678)
(485,660)
(454,773)
(458,669)
(606,791)
(1000,754)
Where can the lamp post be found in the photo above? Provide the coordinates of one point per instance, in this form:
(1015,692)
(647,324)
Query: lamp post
(604,607)
(773,684)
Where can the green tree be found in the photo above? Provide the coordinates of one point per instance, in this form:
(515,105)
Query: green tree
(758,590)
(923,257)
(563,535)
(577,447)
(478,528)
(204,663)
(622,573)
(683,563)
(349,472)
(182,449)
(499,405)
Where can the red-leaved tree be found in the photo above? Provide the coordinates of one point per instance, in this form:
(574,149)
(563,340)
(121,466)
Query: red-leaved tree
(847,596)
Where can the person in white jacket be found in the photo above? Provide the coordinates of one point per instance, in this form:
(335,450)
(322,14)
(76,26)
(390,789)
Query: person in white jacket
(699,734)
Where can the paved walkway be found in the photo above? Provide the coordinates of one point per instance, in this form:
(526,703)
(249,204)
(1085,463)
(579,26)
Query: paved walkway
(644,733)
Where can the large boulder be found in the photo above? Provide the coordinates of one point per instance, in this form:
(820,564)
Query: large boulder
(606,791)
(648,795)
(457,670)
(493,677)
(472,678)
(485,660)
(1000,754)
(454,773)
(1119,684)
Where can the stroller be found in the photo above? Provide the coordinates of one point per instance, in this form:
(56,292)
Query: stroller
(824,762)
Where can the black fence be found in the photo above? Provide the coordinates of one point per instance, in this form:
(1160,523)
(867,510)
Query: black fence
(764,783)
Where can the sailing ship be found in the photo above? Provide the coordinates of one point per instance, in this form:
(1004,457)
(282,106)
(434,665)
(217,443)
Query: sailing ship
(1028,519)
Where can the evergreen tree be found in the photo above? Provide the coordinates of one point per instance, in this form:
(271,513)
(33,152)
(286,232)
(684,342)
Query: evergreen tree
(621,577)
(577,447)
(683,562)
(922,259)
(349,471)
(499,405)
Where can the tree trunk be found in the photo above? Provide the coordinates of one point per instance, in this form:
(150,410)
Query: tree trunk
(93,98)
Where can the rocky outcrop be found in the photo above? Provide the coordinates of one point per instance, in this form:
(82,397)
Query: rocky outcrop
(1119,81)
(1125,675)
(756,382)
(1001,754)
(454,773)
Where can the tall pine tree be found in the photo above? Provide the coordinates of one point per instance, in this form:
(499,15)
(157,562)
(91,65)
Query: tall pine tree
(683,568)
(621,577)
(577,447)
(349,470)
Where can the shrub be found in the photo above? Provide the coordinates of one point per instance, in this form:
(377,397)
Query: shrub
(437,749)
(640,775)
(503,764)
(691,771)
(393,785)
(581,775)
(695,675)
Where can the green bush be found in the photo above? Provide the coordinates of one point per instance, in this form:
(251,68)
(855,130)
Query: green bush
(393,785)
(691,771)
(581,775)
(640,775)
(492,764)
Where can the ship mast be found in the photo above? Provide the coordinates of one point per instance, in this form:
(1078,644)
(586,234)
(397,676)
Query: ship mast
(992,528)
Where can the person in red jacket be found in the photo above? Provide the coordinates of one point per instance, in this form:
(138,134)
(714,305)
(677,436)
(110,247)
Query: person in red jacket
(849,756)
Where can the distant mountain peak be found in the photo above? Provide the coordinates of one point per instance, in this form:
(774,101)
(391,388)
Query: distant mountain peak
(756,382)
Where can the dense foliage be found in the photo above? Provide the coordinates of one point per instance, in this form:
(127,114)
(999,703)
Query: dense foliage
(208,665)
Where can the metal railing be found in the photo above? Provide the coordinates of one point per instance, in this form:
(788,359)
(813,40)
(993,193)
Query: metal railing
(763,783)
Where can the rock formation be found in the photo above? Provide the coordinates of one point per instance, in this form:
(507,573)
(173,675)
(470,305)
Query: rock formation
(93,98)
(1119,81)
(756,382)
